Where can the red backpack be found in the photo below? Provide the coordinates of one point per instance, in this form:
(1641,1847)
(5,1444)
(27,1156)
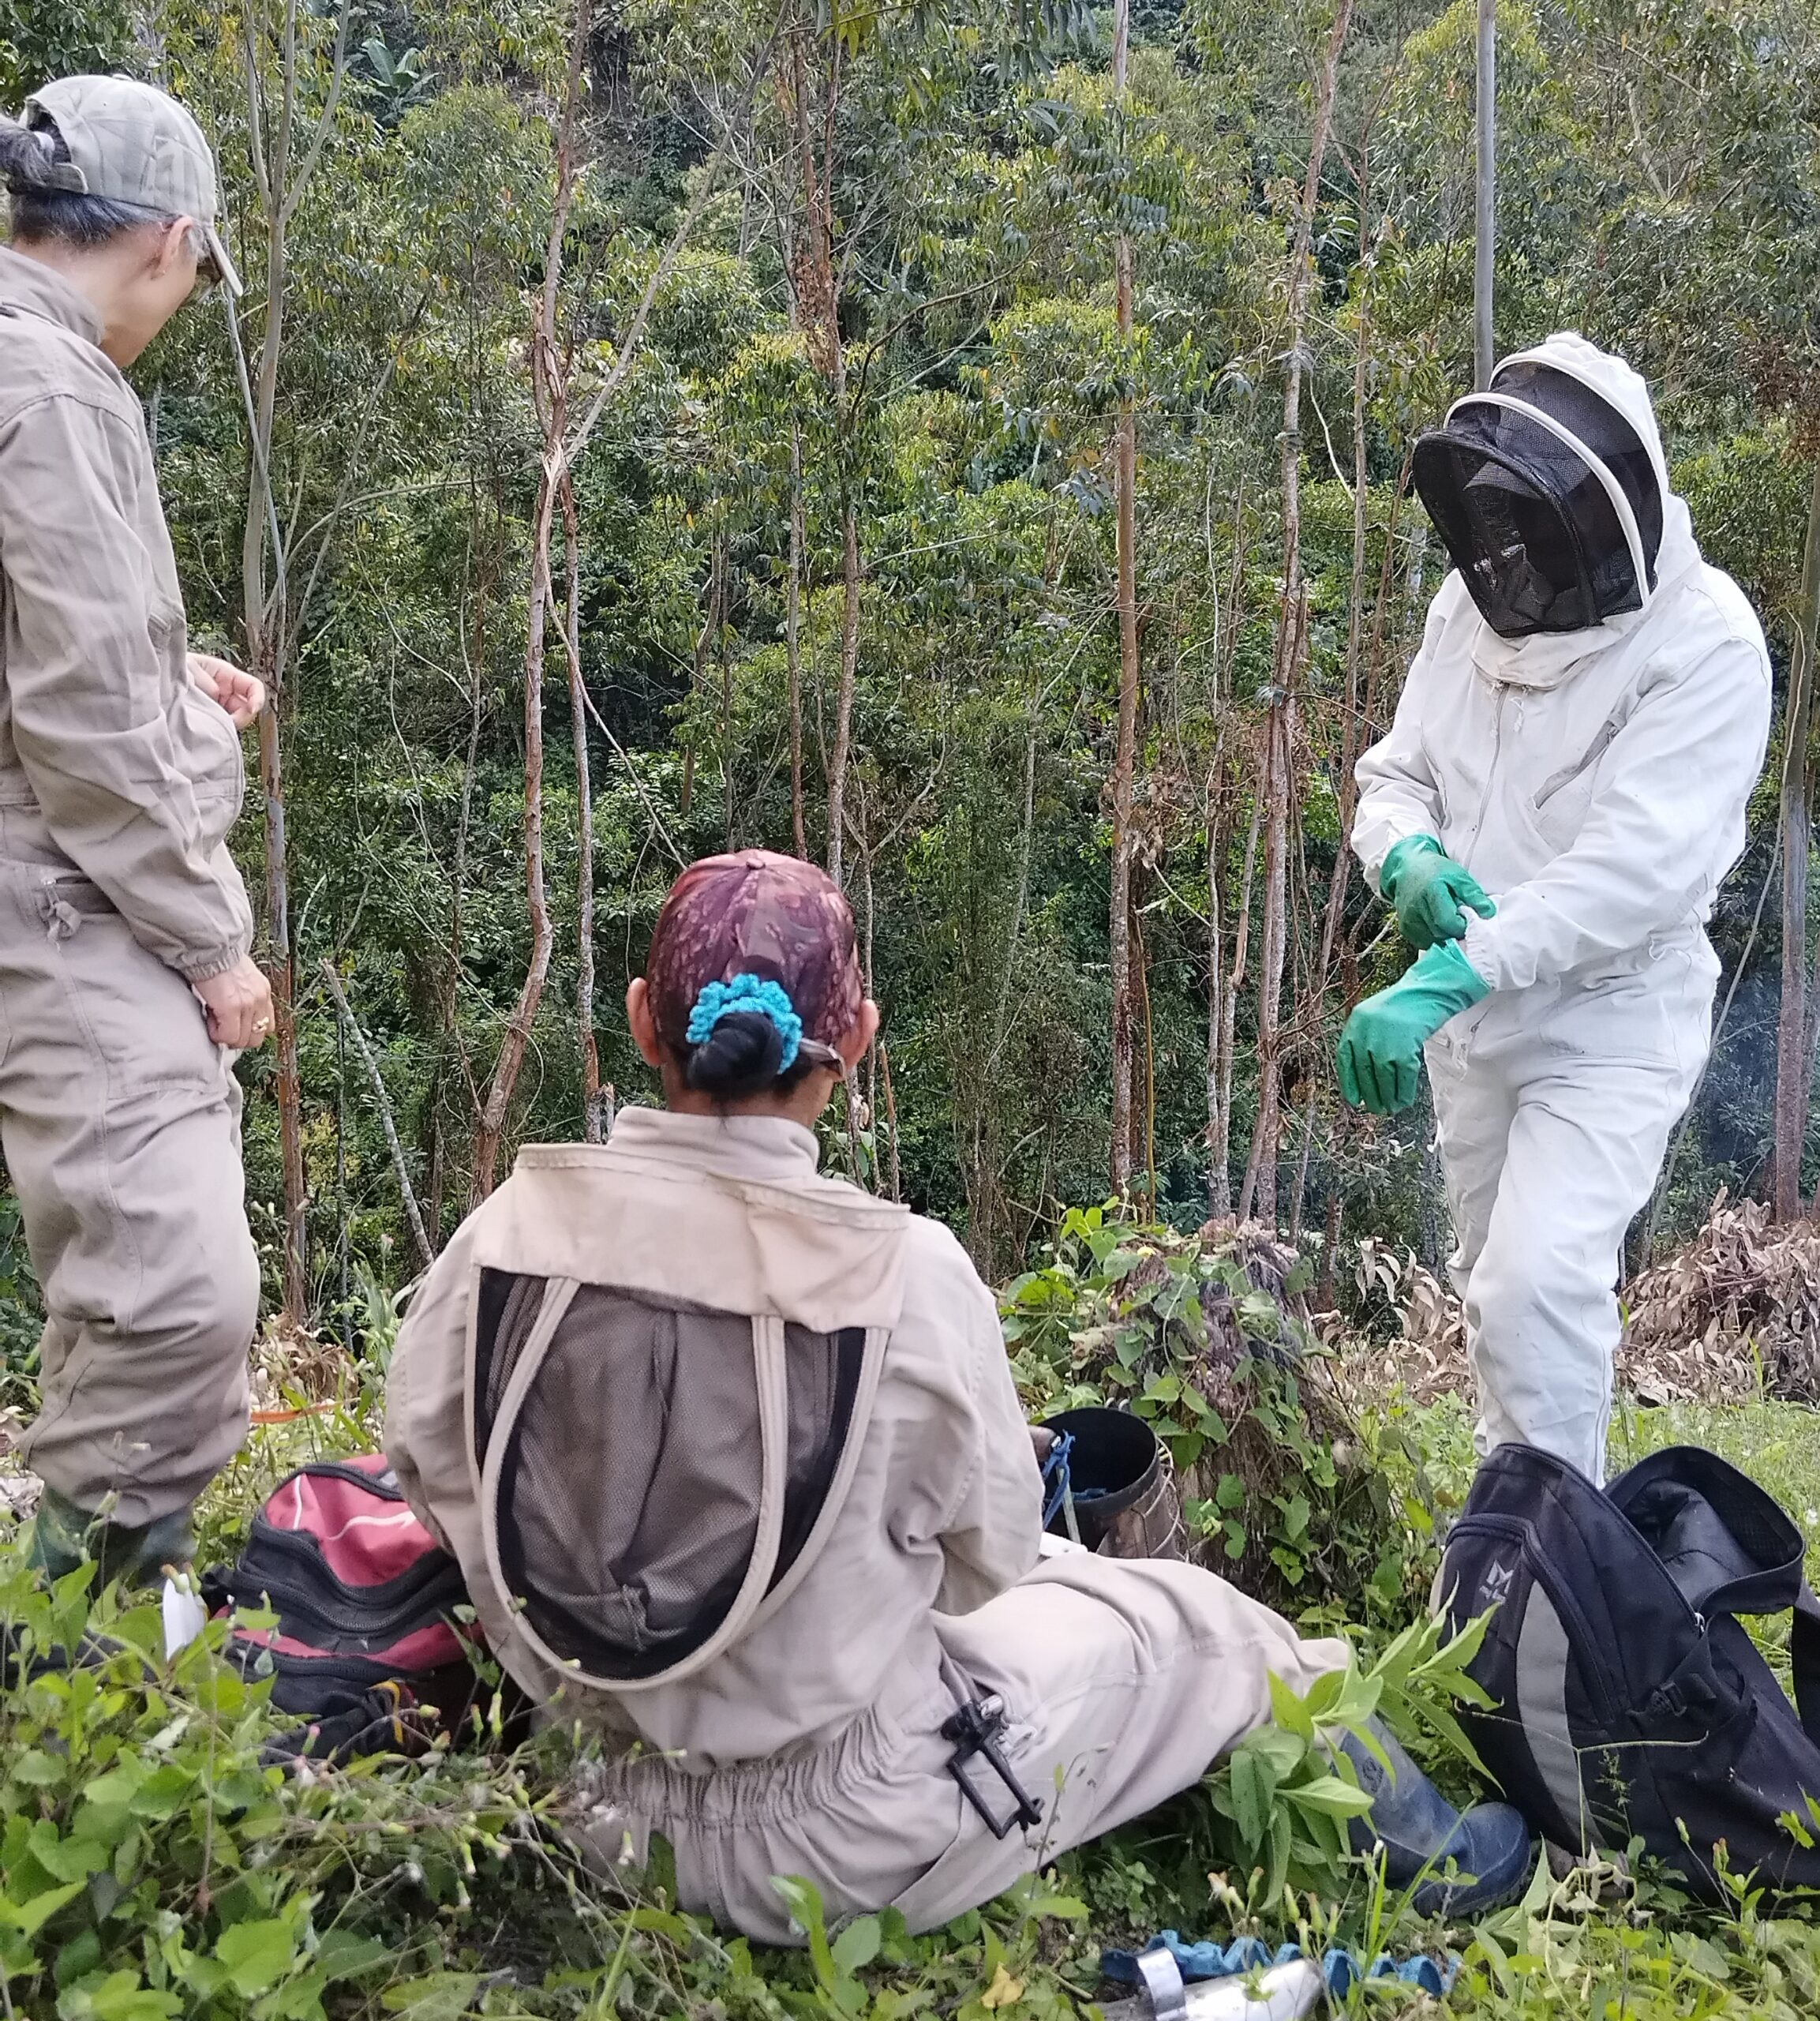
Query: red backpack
(368,1648)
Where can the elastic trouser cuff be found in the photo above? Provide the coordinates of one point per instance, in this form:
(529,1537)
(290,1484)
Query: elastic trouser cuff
(65,1536)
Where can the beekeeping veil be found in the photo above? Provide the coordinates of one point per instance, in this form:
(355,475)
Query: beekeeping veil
(1549,492)
(670,1369)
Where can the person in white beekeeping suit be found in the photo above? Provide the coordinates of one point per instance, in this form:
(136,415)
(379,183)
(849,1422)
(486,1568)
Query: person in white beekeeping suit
(1559,797)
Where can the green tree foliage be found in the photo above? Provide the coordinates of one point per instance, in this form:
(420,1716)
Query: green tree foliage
(892,315)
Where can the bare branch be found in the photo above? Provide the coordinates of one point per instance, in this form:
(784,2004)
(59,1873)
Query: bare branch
(294,195)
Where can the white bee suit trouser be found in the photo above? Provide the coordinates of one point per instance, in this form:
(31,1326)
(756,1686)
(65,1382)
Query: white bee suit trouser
(1555,1106)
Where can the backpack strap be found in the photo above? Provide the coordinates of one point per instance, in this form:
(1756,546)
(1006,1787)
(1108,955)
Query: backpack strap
(1804,1658)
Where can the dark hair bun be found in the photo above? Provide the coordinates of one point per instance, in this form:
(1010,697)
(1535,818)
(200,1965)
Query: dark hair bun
(741,1056)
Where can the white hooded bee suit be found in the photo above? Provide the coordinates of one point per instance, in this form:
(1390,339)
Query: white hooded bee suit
(1596,783)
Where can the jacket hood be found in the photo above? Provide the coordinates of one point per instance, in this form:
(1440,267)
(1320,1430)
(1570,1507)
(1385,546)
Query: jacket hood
(1544,659)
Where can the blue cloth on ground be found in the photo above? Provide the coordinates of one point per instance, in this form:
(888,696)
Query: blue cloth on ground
(1342,1969)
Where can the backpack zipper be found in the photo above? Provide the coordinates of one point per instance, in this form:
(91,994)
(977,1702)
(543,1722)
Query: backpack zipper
(423,1601)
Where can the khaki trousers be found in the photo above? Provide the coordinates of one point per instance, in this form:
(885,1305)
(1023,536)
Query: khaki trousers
(1125,1680)
(120,1120)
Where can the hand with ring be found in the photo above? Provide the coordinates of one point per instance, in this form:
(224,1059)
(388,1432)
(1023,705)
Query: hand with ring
(238,1002)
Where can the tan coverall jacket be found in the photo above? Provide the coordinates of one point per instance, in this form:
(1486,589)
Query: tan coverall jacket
(811,1745)
(119,781)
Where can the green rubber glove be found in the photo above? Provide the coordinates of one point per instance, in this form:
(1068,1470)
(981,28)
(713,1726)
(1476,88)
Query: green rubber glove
(1380,1051)
(1428,890)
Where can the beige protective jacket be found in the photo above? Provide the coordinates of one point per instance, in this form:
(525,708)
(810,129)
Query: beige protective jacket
(111,758)
(941,1506)
(573,1407)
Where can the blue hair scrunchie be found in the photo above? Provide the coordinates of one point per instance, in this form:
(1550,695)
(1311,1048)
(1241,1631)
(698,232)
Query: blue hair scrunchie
(770,999)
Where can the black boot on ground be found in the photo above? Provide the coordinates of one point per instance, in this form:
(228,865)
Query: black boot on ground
(63,1536)
(1489,1846)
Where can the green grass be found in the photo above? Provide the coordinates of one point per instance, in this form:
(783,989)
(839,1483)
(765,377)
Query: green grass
(1778,1444)
(442,1890)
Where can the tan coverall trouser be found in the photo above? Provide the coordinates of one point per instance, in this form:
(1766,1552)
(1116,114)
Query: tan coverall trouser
(120,1120)
(1125,1680)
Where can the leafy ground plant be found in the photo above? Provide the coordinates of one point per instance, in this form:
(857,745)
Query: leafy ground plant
(1206,1336)
(1285,1794)
(150,1865)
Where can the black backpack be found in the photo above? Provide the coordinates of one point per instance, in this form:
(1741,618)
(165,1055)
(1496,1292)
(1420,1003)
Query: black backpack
(1630,1702)
(369,1648)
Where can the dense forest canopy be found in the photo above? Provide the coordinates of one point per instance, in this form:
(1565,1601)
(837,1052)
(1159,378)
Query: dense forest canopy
(656,427)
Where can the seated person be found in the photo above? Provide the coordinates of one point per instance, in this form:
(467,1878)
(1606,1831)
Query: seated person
(731,1456)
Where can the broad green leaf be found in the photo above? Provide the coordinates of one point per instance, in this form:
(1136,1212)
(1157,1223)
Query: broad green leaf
(1288,1710)
(66,1859)
(164,1792)
(438,1996)
(1063,1908)
(858,1943)
(1282,1749)
(29,1917)
(115,1790)
(1330,1794)
(1252,1787)
(121,1996)
(256,1954)
(342,1954)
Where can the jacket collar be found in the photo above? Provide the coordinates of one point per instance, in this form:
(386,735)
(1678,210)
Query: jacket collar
(1547,659)
(764,1147)
(41,290)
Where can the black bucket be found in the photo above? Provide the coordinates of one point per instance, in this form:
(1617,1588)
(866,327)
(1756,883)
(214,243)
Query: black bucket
(1118,1468)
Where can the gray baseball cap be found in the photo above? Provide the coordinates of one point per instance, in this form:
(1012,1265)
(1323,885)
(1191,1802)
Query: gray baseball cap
(135,145)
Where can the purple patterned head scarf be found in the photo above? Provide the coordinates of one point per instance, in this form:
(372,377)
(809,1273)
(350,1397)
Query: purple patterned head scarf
(755,913)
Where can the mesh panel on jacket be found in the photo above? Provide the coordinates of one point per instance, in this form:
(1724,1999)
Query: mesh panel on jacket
(630,1484)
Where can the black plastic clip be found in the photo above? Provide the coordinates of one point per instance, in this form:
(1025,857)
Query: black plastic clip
(975,1729)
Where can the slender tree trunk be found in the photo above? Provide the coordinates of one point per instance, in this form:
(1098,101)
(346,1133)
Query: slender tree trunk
(594,1099)
(793,641)
(516,1040)
(1315,1014)
(706,641)
(1218,1119)
(1222,992)
(273,137)
(1794,1057)
(549,381)
(1485,194)
(1259,1195)
(849,669)
(1125,760)
(1279,772)
(890,1119)
(1229,1011)
(817,295)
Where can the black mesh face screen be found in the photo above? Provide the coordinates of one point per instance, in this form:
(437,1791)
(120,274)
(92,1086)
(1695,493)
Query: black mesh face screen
(629,1488)
(1605,431)
(1527,522)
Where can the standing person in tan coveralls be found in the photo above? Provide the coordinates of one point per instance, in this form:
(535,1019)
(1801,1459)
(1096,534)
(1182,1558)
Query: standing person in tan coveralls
(732,1459)
(125,981)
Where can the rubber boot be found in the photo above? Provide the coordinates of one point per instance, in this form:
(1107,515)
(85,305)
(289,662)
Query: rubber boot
(1422,1833)
(65,1536)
